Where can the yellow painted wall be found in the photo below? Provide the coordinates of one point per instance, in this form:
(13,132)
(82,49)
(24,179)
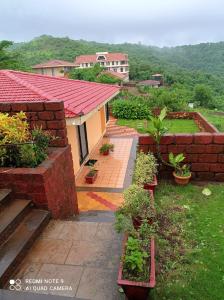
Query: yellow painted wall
(103,119)
(94,129)
(73,141)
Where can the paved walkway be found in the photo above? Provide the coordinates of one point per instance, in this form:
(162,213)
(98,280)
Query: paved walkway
(83,256)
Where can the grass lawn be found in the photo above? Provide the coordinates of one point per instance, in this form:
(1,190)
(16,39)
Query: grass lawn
(174,126)
(191,258)
(213,118)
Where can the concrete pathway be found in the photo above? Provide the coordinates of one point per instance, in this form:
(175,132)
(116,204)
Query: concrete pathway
(82,257)
(114,130)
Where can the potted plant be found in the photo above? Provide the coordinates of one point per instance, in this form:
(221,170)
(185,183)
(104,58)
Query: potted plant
(181,172)
(136,273)
(106,148)
(146,170)
(91,175)
(136,208)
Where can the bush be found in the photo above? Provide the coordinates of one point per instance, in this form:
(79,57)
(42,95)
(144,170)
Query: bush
(19,147)
(132,110)
(145,168)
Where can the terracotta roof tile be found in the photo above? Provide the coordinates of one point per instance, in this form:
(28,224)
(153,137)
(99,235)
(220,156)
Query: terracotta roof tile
(54,63)
(93,58)
(79,97)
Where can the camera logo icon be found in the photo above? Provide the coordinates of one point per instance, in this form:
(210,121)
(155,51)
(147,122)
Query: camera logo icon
(15,285)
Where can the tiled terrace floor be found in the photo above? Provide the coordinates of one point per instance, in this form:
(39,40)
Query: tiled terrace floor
(89,200)
(82,255)
(112,168)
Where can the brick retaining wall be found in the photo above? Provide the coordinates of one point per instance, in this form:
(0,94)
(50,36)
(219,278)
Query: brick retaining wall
(51,185)
(204,151)
(48,115)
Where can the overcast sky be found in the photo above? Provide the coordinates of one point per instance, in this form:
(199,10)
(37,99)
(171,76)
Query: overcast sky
(151,22)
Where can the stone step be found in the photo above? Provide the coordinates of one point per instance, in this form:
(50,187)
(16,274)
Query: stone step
(96,216)
(15,248)
(5,196)
(11,216)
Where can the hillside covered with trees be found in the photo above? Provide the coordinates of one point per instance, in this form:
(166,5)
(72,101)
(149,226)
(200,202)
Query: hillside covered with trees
(184,67)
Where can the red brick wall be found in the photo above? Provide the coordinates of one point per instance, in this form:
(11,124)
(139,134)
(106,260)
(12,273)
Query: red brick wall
(204,152)
(48,115)
(51,185)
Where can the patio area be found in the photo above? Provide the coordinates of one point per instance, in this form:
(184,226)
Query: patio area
(112,169)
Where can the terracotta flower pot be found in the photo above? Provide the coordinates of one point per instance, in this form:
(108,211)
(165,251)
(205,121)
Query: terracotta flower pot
(181,180)
(152,185)
(138,290)
(106,153)
(90,178)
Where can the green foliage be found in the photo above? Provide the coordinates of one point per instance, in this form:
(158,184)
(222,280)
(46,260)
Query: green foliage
(203,95)
(107,78)
(19,147)
(158,127)
(135,258)
(145,168)
(133,109)
(106,147)
(180,169)
(88,74)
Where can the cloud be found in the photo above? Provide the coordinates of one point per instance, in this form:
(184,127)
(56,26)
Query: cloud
(161,22)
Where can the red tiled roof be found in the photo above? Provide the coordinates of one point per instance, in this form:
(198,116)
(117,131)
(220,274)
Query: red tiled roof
(149,82)
(54,63)
(79,97)
(116,74)
(93,58)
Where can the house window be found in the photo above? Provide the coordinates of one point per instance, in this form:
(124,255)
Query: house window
(126,69)
(52,71)
(122,69)
(83,142)
(91,64)
(108,63)
(112,63)
(87,65)
(117,63)
(115,69)
(102,63)
(42,71)
(123,62)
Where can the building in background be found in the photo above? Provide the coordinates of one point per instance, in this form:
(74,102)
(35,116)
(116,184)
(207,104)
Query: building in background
(115,62)
(54,68)
(150,83)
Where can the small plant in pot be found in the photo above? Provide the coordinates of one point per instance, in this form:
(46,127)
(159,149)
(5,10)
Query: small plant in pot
(137,206)
(182,173)
(146,170)
(136,273)
(106,148)
(91,175)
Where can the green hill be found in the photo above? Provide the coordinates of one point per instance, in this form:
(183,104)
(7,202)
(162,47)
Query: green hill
(185,65)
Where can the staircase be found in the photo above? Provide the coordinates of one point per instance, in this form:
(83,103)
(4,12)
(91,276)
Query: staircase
(20,225)
(114,130)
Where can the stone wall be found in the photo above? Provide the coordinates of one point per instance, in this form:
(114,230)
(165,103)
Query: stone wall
(48,115)
(50,186)
(204,152)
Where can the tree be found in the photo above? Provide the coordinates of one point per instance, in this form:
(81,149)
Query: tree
(202,95)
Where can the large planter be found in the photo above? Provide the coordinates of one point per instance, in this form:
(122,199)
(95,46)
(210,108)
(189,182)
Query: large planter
(181,180)
(138,290)
(106,153)
(152,185)
(91,177)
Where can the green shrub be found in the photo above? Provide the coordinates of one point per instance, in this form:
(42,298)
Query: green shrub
(145,168)
(131,110)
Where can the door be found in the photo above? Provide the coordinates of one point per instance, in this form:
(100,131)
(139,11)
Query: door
(83,142)
(107,112)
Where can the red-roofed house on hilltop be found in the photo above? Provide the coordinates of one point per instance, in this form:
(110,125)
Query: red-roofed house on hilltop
(54,68)
(85,103)
(115,62)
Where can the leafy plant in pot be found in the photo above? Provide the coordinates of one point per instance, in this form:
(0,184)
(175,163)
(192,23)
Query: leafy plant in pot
(146,170)
(106,148)
(181,172)
(136,273)
(138,205)
(91,175)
